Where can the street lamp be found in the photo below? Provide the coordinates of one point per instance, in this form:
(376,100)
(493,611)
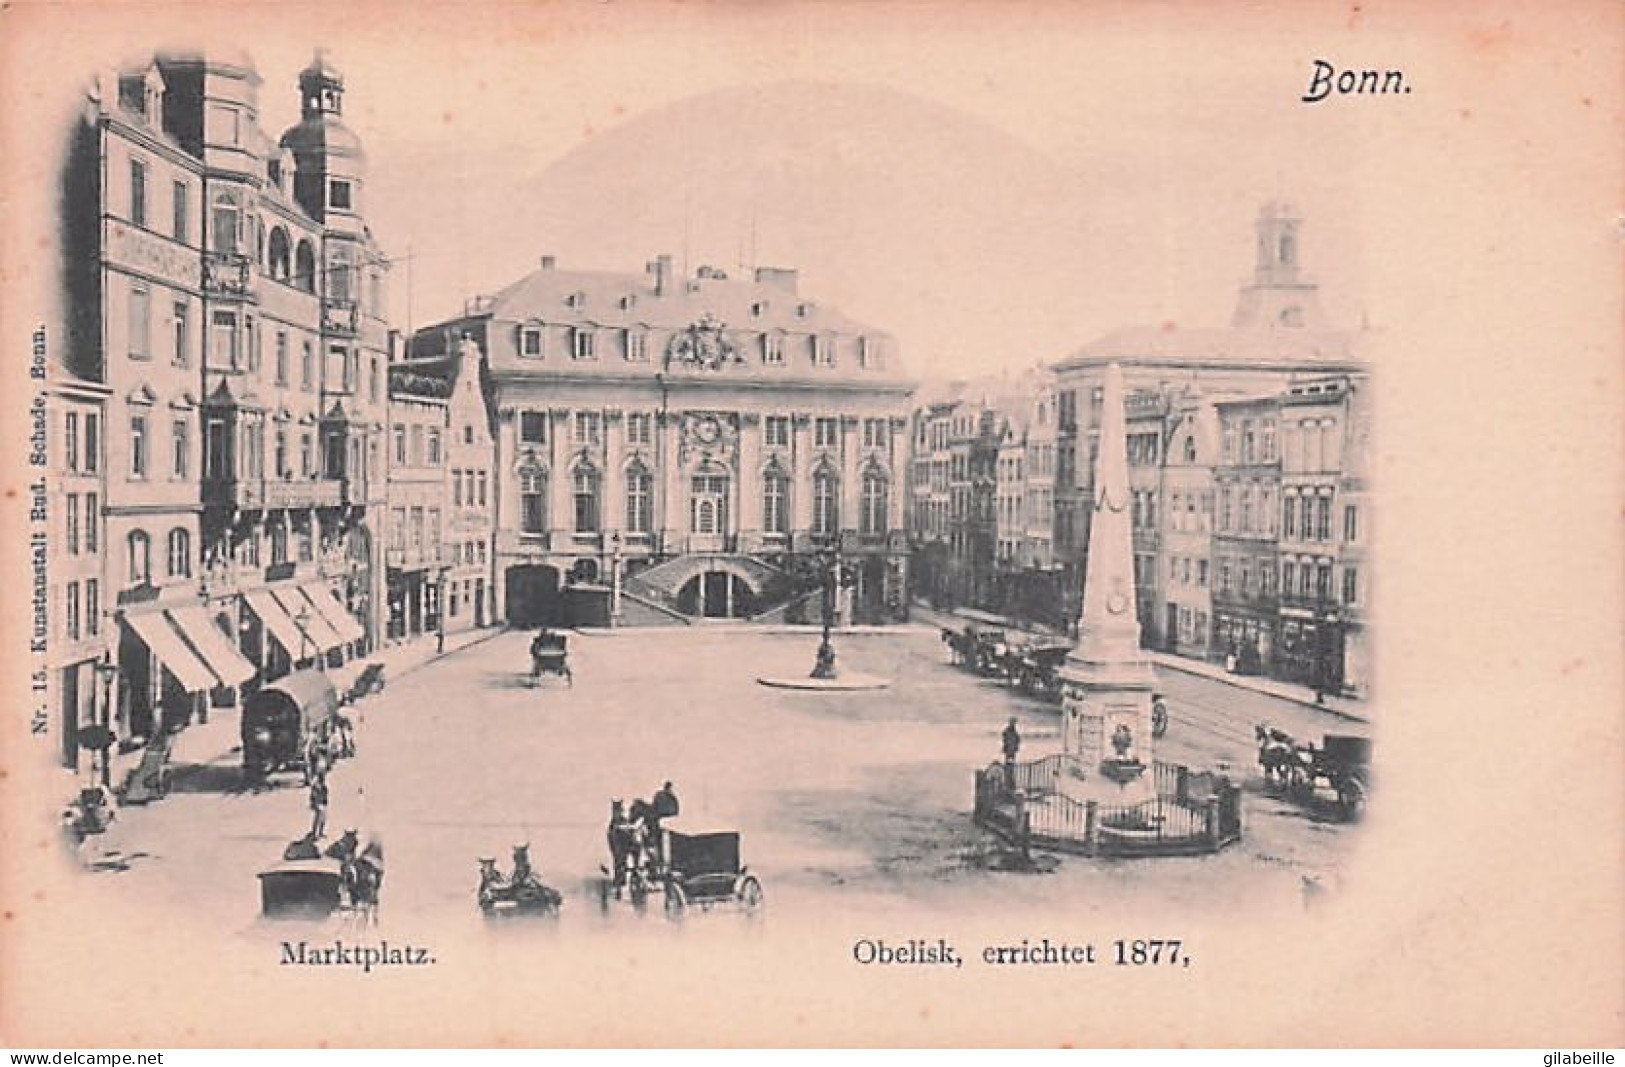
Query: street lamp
(106,670)
(302,620)
(615,576)
(824,665)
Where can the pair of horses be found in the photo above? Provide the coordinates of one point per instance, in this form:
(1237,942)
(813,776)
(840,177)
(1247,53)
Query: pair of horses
(1285,763)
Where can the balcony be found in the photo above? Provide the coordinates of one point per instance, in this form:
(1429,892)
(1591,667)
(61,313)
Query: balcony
(247,494)
(226,274)
(340,317)
(302,493)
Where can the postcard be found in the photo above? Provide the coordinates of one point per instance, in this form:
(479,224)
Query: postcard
(935,523)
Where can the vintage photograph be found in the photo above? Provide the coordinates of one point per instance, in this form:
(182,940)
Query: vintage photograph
(671,479)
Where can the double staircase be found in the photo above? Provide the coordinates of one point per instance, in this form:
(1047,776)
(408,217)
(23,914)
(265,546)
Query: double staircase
(658,588)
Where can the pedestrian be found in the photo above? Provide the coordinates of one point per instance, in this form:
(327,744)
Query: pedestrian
(318,805)
(1012,745)
(439,642)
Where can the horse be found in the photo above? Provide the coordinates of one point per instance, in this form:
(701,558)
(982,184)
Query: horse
(1277,754)
(956,647)
(361,870)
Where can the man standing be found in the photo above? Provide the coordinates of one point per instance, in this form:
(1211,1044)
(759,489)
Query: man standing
(318,801)
(665,807)
(1012,745)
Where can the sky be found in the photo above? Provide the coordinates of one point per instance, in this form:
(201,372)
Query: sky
(993,191)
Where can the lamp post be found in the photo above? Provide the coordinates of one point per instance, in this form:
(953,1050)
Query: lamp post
(614,576)
(106,670)
(302,620)
(824,665)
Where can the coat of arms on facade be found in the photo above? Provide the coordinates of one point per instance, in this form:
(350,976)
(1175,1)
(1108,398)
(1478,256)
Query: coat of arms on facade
(702,345)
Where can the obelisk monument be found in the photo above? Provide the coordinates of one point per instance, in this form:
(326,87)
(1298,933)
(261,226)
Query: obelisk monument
(1107,681)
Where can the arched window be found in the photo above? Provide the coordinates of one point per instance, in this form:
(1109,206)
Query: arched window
(227,218)
(180,553)
(708,502)
(586,500)
(775,501)
(281,255)
(140,558)
(304,267)
(872,518)
(639,500)
(532,500)
(826,503)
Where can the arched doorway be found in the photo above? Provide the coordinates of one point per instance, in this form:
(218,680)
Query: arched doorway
(533,596)
(716,594)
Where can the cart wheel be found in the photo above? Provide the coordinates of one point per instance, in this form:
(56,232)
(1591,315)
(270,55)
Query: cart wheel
(1351,797)
(750,893)
(638,891)
(676,901)
(1159,719)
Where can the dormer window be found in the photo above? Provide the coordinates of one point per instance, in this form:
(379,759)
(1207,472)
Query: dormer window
(773,348)
(804,310)
(758,309)
(1291,316)
(576,300)
(871,354)
(583,341)
(339,195)
(530,342)
(629,301)
(824,350)
(637,346)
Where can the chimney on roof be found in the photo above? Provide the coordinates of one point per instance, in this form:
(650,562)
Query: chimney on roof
(548,262)
(782,277)
(662,270)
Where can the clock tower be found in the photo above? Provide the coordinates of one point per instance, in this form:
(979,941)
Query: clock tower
(1108,678)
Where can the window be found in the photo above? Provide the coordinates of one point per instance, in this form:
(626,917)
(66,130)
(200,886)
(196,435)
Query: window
(140,323)
(70,441)
(434,526)
(181,212)
(140,558)
(826,433)
(138,192)
(400,445)
(1224,576)
(875,433)
(180,450)
(223,340)
(639,500)
(826,512)
(585,486)
(456,488)
(1351,585)
(530,342)
(532,503)
(138,446)
(1351,523)
(1323,580)
(279,543)
(639,428)
(415,457)
(338,195)
(93,607)
(1289,517)
(183,340)
(397,529)
(73,611)
(281,460)
(773,348)
(251,342)
(72,518)
(708,502)
(637,346)
(533,427)
(480,483)
(1323,518)
(180,553)
(434,446)
(777,431)
(1247,509)
(305,458)
(824,350)
(307,366)
(1224,508)
(872,517)
(586,427)
(1201,573)
(582,340)
(417,528)
(226,224)
(774,493)
(871,353)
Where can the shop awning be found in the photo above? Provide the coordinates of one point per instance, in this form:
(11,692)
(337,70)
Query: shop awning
(322,634)
(281,624)
(332,609)
(214,647)
(164,641)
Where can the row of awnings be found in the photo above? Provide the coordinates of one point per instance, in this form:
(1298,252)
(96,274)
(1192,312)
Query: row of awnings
(307,620)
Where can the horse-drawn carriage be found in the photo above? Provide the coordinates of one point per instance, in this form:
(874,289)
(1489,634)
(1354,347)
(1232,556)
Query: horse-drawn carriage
(550,654)
(984,651)
(314,883)
(1341,761)
(685,869)
(1038,669)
